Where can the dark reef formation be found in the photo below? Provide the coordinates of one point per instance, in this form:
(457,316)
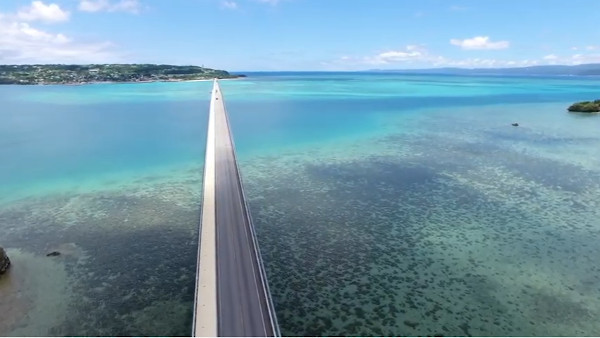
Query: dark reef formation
(4,261)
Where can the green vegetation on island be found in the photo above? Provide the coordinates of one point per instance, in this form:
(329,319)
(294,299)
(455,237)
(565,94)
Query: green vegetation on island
(585,107)
(79,74)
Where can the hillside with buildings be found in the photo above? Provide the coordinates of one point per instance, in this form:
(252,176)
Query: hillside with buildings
(79,74)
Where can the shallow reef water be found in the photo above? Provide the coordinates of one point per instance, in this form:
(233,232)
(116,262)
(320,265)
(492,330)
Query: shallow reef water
(126,266)
(435,235)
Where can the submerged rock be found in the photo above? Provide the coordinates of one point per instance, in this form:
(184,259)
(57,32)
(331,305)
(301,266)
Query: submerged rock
(4,261)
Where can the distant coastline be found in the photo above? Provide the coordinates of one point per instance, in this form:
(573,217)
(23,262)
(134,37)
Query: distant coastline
(106,73)
(233,77)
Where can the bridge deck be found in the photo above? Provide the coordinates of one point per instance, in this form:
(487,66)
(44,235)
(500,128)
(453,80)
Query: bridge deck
(232,294)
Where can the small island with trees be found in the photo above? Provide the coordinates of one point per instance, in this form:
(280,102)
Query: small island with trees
(95,73)
(585,107)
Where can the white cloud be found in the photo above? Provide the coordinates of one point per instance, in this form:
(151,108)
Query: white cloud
(480,42)
(394,56)
(574,59)
(578,59)
(485,63)
(588,48)
(20,43)
(131,6)
(410,53)
(24,33)
(417,56)
(229,5)
(38,11)
(92,6)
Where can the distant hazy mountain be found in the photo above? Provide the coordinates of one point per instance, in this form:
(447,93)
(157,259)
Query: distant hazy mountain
(587,69)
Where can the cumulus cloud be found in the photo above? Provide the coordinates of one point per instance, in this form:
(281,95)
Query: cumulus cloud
(229,5)
(573,59)
(395,55)
(417,56)
(486,63)
(21,42)
(23,33)
(39,11)
(578,59)
(131,6)
(410,53)
(588,48)
(480,42)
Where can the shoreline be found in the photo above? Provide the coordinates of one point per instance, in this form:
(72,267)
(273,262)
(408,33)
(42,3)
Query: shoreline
(53,74)
(116,82)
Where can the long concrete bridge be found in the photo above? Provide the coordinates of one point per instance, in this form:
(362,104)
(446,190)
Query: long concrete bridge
(232,292)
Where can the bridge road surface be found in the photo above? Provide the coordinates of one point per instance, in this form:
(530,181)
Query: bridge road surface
(232,293)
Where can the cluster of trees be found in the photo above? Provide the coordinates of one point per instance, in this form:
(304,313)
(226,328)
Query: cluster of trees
(150,69)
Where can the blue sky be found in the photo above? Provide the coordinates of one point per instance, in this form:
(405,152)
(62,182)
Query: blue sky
(302,34)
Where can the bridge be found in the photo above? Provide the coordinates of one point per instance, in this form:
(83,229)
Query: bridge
(232,292)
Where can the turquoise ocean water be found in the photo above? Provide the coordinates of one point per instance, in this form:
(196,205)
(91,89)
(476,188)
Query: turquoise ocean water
(385,204)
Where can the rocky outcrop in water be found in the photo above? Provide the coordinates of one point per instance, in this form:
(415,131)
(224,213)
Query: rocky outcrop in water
(585,107)
(4,261)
